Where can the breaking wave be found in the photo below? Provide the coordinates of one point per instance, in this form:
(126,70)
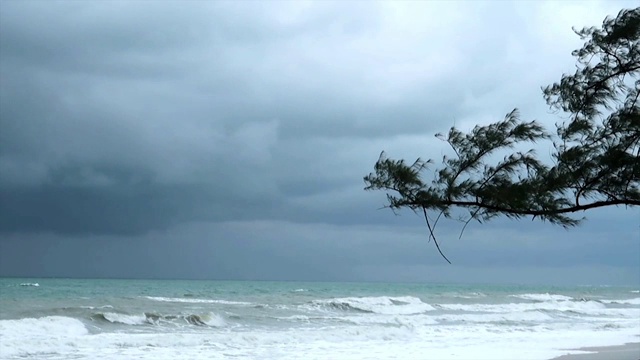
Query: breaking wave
(209,319)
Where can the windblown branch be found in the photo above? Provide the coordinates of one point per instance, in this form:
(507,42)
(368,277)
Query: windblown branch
(571,209)
(595,160)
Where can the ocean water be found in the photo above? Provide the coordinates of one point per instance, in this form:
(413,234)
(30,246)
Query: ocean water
(159,319)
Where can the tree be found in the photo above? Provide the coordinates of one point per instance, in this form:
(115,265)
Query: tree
(595,159)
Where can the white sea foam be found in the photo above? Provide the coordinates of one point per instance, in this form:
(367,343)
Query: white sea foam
(300,290)
(380,305)
(30,284)
(635,291)
(197,301)
(38,335)
(58,325)
(353,342)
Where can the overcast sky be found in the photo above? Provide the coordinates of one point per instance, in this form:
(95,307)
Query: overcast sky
(228,140)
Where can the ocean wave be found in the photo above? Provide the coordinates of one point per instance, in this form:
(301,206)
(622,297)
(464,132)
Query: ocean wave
(305,318)
(197,301)
(581,307)
(344,306)
(95,307)
(635,301)
(299,290)
(471,295)
(123,318)
(209,319)
(542,297)
(404,305)
(411,321)
(30,284)
(497,318)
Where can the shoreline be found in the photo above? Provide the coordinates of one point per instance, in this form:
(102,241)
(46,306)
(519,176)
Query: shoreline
(628,351)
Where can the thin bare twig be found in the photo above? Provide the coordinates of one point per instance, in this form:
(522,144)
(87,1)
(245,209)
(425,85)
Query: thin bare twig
(426,218)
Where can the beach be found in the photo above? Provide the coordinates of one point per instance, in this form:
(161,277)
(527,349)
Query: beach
(630,351)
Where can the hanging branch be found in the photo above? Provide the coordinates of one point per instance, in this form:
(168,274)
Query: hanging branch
(595,155)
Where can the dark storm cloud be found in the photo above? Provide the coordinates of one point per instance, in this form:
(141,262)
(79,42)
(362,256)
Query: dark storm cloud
(125,126)
(117,210)
(211,98)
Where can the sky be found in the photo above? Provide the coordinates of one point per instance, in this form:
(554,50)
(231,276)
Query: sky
(228,140)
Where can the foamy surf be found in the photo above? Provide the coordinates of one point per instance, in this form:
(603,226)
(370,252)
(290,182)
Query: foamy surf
(28,337)
(126,319)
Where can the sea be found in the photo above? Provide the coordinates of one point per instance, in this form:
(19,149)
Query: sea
(177,319)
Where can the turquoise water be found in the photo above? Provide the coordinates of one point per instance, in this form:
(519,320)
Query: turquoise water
(122,319)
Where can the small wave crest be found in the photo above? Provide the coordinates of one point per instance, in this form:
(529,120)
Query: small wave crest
(197,301)
(345,306)
(542,297)
(123,318)
(95,307)
(500,318)
(471,295)
(404,305)
(30,284)
(635,301)
(581,307)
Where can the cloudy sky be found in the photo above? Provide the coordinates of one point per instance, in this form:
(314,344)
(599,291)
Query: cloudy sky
(228,140)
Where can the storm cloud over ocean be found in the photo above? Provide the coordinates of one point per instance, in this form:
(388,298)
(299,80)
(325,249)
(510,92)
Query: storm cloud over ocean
(228,140)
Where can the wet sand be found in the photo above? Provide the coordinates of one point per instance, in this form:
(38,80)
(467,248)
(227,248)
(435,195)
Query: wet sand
(629,351)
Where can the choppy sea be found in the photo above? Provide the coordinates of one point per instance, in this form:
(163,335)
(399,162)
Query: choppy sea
(160,319)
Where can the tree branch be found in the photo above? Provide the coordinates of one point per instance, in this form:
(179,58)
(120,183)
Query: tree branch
(426,218)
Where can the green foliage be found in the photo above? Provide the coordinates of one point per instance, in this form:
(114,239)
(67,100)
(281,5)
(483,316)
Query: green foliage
(596,159)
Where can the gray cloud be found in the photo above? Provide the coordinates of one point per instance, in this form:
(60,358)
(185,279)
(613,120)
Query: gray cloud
(119,120)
